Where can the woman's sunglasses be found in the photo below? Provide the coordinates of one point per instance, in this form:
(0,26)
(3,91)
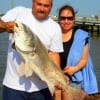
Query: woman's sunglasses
(70,18)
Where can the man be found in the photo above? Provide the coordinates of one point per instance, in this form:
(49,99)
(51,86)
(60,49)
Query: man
(32,88)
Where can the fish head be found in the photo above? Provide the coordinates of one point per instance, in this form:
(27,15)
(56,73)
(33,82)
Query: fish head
(22,31)
(23,37)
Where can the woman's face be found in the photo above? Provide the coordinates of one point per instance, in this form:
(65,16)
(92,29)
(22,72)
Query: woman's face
(66,20)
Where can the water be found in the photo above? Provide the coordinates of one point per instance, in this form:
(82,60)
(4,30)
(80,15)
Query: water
(3,53)
(95,51)
(3,57)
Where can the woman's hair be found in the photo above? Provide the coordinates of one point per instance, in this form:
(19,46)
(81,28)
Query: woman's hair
(68,7)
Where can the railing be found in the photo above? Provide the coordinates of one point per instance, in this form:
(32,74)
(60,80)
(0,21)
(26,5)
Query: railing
(91,26)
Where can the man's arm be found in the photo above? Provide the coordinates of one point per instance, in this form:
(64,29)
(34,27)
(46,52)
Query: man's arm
(2,26)
(55,57)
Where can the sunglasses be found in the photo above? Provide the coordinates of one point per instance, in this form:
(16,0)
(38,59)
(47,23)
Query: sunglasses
(70,18)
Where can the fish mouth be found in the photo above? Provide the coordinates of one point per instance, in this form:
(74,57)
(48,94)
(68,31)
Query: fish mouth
(18,27)
(25,52)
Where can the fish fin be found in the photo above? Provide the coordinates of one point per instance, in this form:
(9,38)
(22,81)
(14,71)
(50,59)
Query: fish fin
(51,87)
(21,70)
(13,45)
(75,93)
(25,69)
(79,94)
(28,69)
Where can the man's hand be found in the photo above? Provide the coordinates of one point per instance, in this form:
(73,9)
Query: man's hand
(60,93)
(58,86)
(9,26)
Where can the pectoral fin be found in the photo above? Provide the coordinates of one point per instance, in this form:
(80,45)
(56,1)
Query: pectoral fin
(21,70)
(13,46)
(28,69)
(25,69)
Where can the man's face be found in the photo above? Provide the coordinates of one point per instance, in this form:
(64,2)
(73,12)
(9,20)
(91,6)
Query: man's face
(41,8)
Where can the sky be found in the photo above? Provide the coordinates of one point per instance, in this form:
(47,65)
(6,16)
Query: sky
(84,7)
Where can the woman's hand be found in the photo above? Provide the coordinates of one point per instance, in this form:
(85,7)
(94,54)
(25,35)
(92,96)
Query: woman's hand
(70,70)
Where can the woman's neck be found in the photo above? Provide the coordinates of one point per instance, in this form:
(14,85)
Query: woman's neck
(66,36)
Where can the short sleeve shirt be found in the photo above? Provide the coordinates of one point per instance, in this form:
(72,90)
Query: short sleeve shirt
(49,33)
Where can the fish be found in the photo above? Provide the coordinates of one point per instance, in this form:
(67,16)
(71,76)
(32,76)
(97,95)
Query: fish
(35,60)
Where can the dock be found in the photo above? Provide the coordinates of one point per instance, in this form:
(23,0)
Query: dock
(93,27)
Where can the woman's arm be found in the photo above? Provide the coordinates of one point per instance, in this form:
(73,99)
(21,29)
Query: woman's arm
(71,70)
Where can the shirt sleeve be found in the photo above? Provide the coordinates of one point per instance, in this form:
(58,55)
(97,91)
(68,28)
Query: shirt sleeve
(12,14)
(56,44)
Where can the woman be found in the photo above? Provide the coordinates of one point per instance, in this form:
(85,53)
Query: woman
(75,60)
